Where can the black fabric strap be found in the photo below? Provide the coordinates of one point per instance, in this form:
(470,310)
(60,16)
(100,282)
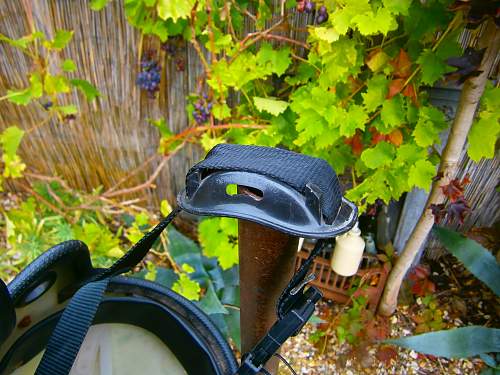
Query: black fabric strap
(295,170)
(290,293)
(7,313)
(70,331)
(77,317)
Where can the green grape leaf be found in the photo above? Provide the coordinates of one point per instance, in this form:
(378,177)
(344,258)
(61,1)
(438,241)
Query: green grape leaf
(398,6)
(424,19)
(343,17)
(371,24)
(160,29)
(421,174)
(34,91)
(68,65)
(340,60)
(221,111)
(13,166)
(174,9)
(11,139)
(86,88)
(408,154)
(98,4)
(393,112)
(490,101)
(187,288)
(270,105)
(326,34)
(20,97)
(55,84)
(165,207)
(61,39)
(355,118)
(483,136)
(208,142)
(378,156)
(433,67)
(162,126)
(273,60)
(376,92)
(218,237)
(431,122)
(67,109)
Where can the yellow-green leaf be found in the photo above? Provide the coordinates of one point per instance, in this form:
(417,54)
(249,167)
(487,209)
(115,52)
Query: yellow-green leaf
(165,207)
(270,105)
(483,136)
(421,174)
(68,65)
(61,39)
(10,139)
(187,288)
(86,88)
(174,9)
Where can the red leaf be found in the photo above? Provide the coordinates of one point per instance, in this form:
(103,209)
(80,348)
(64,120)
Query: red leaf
(377,136)
(439,212)
(395,87)
(420,272)
(410,92)
(455,189)
(458,209)
(357,144)
(396,137)
(401,64)
(386,354)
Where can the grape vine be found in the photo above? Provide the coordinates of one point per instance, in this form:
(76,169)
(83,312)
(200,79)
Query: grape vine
(352,87)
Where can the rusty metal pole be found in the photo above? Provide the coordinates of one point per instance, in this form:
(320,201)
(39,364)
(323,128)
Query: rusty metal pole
(267,262)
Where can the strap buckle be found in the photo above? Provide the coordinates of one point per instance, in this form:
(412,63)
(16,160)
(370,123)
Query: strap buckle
(289,325)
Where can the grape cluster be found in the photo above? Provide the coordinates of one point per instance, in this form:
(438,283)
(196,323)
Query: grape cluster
(149,77)
(305,6)
(170,48)
(202,108)
(173,49)
(47,105)
(321,15)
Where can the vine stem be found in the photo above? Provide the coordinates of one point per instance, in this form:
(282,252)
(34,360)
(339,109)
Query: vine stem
(469,99)
(200,129)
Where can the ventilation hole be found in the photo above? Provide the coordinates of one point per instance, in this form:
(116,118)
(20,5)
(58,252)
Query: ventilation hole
(233,189)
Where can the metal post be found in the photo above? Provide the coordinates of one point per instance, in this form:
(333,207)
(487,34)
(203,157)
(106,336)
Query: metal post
(267,262)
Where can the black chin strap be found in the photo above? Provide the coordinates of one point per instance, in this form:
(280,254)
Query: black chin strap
(294,308)
(70,331)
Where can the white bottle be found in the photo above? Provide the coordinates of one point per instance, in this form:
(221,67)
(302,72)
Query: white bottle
(348,252)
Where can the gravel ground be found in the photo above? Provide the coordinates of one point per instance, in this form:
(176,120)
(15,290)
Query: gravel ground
(305,359)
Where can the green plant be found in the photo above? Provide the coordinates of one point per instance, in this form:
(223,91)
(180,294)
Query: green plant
(430,317)
(356,97)
(50,83)
(465,341)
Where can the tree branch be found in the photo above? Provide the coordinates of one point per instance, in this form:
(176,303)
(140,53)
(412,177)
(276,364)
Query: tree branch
(471,93)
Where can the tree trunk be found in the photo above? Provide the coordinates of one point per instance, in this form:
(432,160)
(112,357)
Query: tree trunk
(471,93)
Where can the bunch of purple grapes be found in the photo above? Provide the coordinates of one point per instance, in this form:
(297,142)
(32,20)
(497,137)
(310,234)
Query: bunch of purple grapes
(169,47)
(305,6)
(149,77)
(202,109)
(322,15)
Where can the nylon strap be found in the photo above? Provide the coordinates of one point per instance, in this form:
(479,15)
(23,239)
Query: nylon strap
(290,293)
(70,331)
